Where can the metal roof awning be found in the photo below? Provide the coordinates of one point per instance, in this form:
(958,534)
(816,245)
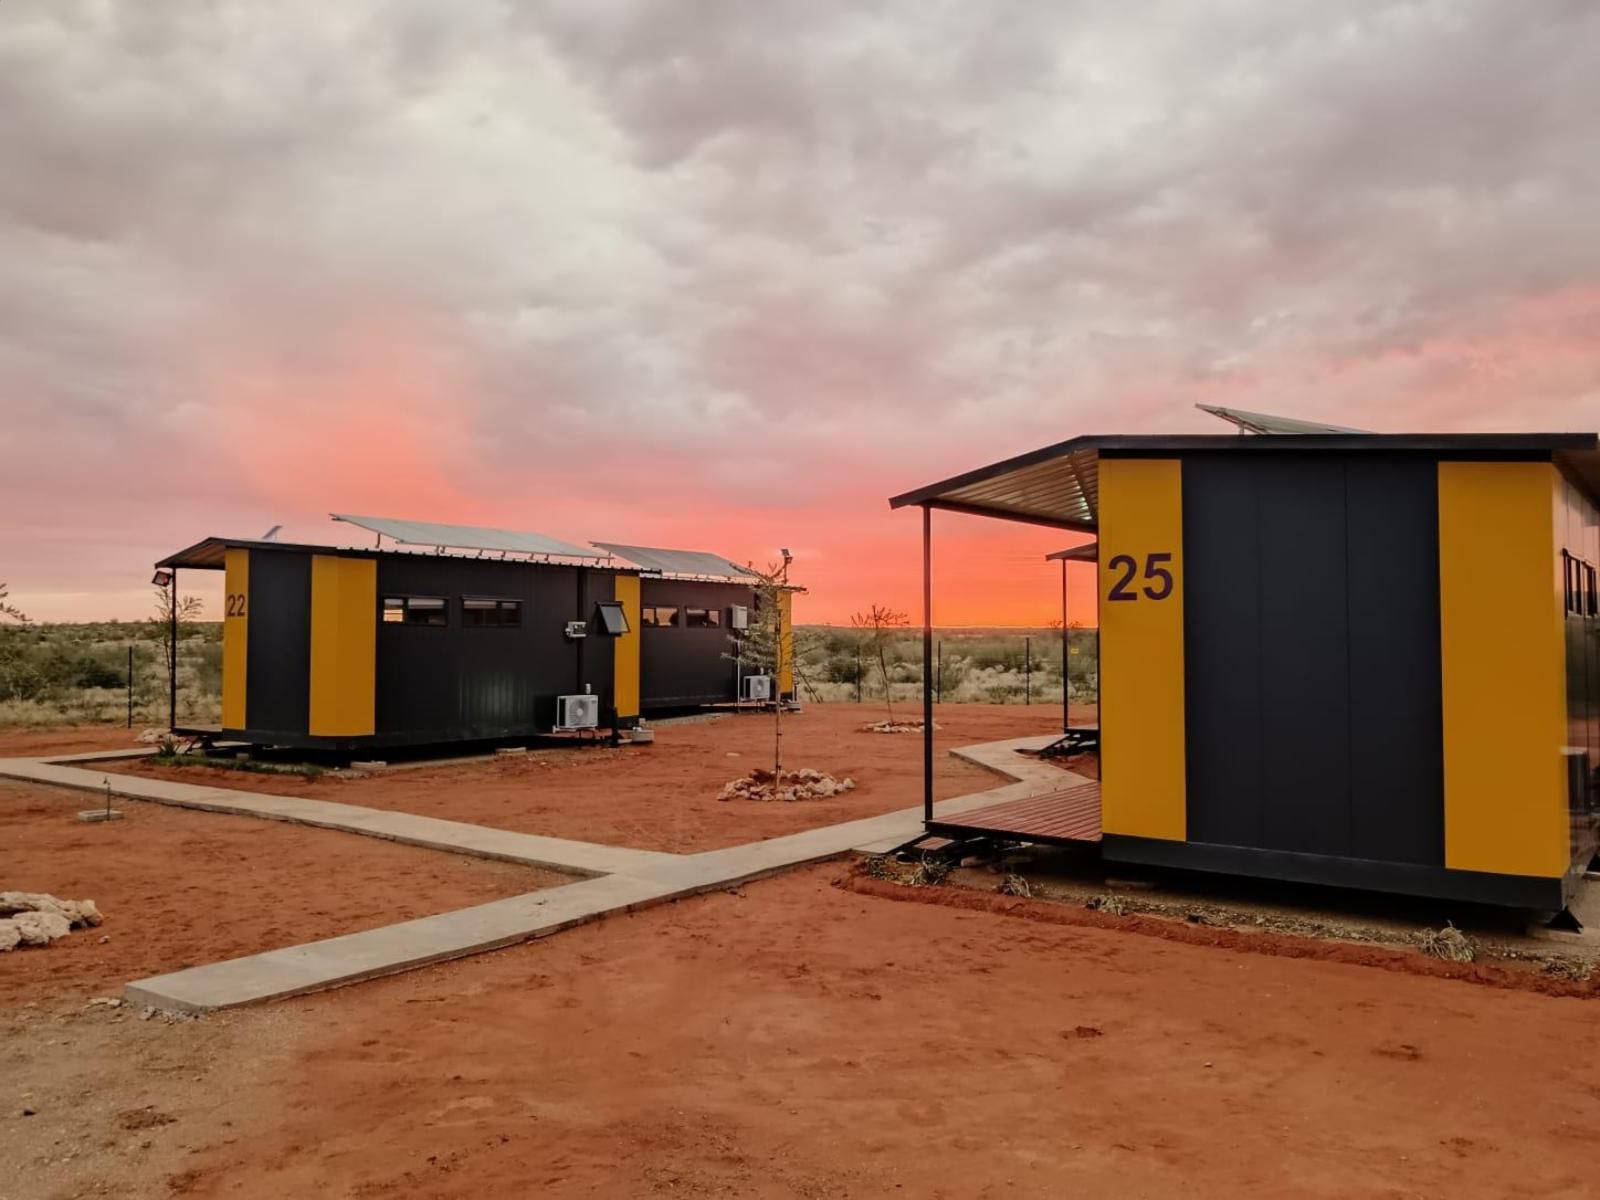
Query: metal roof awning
(1088,552)
(1058,485)
(471,537)
(210,554)
(680,564)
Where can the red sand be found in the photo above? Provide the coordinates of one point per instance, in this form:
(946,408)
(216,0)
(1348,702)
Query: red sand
(663,796)
(1503,973)
(799,1040)
(180,888)
(68,739)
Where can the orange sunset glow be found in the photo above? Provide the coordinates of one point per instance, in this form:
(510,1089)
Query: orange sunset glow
(510,270)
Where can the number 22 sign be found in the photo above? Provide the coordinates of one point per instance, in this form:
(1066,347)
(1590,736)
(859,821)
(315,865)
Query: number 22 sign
(1125,569)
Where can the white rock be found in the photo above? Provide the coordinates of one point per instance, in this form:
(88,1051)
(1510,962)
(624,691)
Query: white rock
(41,928)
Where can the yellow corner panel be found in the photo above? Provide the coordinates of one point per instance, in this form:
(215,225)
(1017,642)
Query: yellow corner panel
(625,684)
(235,637)
(344,645)
(1503,672)
(1143,768)
(785,643)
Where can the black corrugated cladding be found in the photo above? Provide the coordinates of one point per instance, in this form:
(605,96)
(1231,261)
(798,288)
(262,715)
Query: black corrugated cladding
(1311,632)
(451,682)
(278,688)
(680,666)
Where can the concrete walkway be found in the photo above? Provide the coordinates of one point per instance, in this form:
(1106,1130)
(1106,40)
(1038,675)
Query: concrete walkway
(458,837)
(623,879)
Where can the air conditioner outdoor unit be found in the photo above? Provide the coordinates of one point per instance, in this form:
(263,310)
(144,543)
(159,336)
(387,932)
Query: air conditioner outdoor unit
(577,712)
(757,687)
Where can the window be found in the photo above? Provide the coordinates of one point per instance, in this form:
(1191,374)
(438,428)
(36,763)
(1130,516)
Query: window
(658,617)
(1580,589)
(613,620)
(414,610)
(702,618)
(487,614)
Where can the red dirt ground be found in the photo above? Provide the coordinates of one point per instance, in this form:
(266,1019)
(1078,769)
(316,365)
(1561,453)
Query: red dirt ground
(799,1040)
(663,797)
(67,739)
(180,888)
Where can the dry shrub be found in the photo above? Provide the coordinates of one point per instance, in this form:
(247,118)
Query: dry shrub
(931,872)
(1014,885)
(1575,969)
(1449,944)
(1115,905)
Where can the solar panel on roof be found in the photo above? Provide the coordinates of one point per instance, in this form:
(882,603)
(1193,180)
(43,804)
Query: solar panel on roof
(469,537)
(1254,422)
(698,564)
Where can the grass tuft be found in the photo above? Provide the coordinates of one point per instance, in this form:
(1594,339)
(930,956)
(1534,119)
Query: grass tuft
(1449,944)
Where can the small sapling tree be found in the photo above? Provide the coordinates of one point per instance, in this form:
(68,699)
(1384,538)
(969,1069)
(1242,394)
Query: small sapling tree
(766,645)
(878,625)
(172,613)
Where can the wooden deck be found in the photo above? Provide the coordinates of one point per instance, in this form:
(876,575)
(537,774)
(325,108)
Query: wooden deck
(1071,815)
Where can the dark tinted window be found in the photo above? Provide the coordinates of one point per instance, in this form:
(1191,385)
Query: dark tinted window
(702,618)
(414,610)
(497,614)
(658,617)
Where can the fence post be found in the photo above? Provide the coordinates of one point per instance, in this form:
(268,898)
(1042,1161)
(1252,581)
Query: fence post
(858,674)
(1027,670)
(939,685)
(130,685)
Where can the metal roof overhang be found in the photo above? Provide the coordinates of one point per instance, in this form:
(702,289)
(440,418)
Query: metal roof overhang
(210,555)
(1058,485)
(1088,552)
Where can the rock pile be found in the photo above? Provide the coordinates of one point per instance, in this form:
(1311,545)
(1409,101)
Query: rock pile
(895,727)
(35,919)
(804,784)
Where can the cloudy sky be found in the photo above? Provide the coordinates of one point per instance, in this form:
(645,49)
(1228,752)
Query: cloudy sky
(726,275)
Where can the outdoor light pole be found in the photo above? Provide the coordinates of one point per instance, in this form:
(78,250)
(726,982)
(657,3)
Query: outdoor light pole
(168,578)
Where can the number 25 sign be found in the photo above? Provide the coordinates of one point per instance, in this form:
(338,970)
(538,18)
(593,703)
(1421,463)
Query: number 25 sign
(1157,577)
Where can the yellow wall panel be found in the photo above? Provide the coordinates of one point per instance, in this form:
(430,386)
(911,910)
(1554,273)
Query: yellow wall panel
(344,645)
(785,643)
(235,637)
(1503,672)
(1143,768)
(625,682)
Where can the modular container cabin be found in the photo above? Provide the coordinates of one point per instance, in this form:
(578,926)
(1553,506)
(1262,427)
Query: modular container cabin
(1339,658)
(466,635)
(693,607)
